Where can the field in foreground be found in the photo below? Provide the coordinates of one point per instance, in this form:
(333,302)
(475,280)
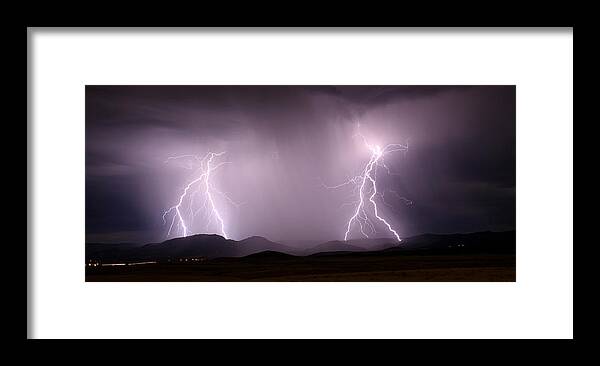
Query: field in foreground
(352,267)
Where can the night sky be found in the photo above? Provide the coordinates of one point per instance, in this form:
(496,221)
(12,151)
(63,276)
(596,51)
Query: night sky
(282,144)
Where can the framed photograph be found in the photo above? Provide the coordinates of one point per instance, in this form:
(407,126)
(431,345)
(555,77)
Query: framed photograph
(300,183)
(417,181)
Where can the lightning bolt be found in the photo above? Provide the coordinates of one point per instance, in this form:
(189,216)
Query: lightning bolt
(366,183)
(200,185)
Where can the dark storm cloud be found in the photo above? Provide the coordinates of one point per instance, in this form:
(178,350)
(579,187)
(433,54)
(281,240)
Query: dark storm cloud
(284,140)
(365,97)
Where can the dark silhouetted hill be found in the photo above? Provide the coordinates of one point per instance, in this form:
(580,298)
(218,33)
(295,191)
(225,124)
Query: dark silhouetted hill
(215,246)
(269,254)
(256,244)
(333,246)
(481,242)
(374,243)
(201,245)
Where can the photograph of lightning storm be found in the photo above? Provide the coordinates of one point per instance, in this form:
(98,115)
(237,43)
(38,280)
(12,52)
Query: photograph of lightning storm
(292,183)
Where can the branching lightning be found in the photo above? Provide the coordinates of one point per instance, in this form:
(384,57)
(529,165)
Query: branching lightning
(366,184)
(184,212)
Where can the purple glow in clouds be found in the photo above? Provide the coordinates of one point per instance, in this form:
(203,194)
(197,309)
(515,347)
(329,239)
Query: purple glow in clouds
(271,147)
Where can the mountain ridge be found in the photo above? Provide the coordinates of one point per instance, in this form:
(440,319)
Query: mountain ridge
(216,246)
